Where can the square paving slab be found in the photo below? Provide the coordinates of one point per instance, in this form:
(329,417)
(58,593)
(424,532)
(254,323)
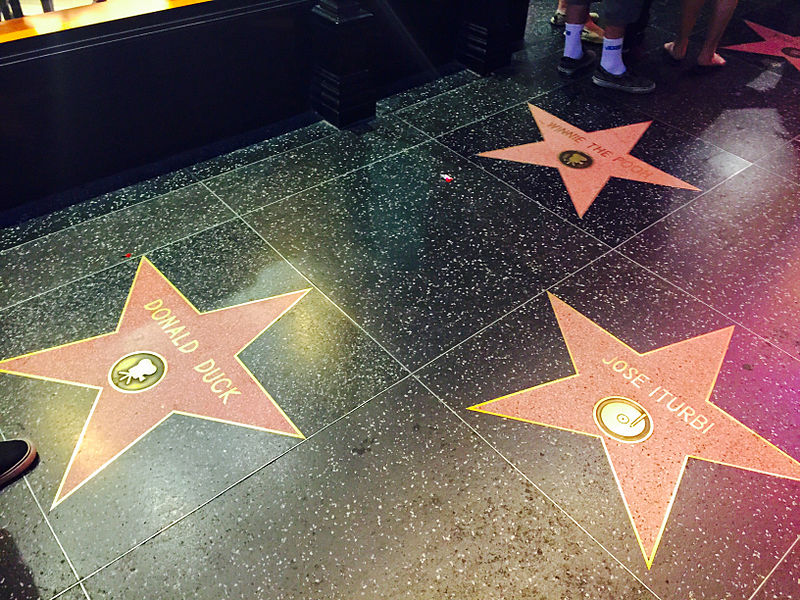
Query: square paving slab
(735,249)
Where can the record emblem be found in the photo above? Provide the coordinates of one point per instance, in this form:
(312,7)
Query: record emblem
(623,419)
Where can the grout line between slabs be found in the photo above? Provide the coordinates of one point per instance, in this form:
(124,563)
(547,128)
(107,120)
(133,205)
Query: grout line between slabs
(393,112)
(706,304)
(538,489)
(94,218)
(186,170)
(53,533)
(261,160)
(416,378)
(116,264)
(314,285)
(487,115)
(545,208)
(782,558)
(617,249)
(239,481)
(683,206)
(69,589)
(470,84)
(773,174)
(512,311)
(318,184)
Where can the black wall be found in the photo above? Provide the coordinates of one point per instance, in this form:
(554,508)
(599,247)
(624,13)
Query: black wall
(413,37)
(85,104)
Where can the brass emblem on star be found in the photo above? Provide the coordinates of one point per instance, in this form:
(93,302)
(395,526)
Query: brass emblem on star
(790,51)
(575,159)
(623,420)
(137,372)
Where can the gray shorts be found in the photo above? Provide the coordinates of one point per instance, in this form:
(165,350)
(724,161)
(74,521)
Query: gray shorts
(617,12)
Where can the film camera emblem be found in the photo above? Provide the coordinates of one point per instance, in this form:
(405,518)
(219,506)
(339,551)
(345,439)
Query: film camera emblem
(137,372)
(623,419)
(575,159)
(791,51)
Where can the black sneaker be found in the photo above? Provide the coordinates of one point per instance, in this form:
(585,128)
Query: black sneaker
(570,66)
(15,458)
(627,82)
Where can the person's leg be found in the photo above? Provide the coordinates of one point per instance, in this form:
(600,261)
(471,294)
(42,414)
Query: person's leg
(634,32)
(612,72)
(619,14)
(592,32)
(574,58)
(577,14)
(16,457)
(611,59)
(723,11)
(689,11)
(558,19)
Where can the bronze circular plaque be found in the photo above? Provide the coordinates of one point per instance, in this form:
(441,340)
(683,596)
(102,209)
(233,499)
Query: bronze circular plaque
(137,372)
(575,159)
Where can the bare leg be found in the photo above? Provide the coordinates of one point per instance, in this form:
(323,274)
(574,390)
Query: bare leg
(689,11)
(723,11)
(590,24)
(614,32)
(577,14)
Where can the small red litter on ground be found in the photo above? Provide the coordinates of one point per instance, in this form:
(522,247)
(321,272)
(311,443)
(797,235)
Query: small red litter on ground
(447,178)
(128,255)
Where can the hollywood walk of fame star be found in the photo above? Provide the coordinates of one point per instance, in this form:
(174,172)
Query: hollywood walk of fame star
(774,43)
(651,412)
(165,357)
(586,160)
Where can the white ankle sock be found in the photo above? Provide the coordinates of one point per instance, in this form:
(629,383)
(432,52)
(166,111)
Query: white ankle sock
(572,40)
(611,60)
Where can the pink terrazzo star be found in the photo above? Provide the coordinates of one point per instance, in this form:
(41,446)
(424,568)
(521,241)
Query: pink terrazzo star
(164,358)
(775,44)
(651,411)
